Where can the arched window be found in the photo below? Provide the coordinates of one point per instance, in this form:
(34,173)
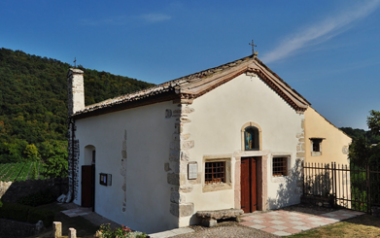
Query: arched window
(251,138)
(89,155)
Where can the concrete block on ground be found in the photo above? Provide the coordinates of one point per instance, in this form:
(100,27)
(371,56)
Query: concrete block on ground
(57,225)
(72,233)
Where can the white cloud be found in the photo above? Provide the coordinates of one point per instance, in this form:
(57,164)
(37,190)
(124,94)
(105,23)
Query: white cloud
(321,31)
(123,20)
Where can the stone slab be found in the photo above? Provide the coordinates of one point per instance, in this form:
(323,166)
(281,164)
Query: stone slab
(220,214)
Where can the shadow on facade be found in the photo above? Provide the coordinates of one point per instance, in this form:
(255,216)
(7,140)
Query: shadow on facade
(290,189)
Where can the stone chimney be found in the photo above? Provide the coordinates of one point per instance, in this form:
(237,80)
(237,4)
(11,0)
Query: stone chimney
(75,91)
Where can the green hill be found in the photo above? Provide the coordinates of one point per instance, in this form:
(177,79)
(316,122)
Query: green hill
(33,103)
(356,134)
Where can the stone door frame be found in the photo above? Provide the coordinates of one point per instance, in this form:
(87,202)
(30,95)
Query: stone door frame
(262,178)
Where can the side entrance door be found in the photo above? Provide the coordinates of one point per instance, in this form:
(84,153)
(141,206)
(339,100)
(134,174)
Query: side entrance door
(88,185)
(248,186)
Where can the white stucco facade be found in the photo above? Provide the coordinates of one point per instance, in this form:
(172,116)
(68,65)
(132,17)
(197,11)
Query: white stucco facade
(147,192)
(215,128)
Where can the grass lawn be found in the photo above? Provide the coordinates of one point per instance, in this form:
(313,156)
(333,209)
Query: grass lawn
(362,226)
(84,227)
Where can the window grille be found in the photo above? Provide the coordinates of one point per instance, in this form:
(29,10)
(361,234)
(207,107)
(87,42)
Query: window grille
(215,172)
(280,166)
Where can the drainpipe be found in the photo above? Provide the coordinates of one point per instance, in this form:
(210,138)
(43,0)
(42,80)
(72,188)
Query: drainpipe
(72,158)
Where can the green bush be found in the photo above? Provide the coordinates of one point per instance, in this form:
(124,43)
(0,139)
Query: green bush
(36,214)
(105,231)
(19,212)
(14,211)
(39,198)
(1,204)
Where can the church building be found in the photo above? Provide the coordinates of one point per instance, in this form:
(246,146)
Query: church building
(232,136)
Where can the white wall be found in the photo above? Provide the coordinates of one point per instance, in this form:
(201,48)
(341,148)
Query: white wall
(149,135)
(215,128)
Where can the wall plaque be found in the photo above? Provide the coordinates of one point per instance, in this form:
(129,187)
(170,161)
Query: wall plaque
(192,170)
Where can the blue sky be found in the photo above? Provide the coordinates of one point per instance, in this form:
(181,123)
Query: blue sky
(327,50)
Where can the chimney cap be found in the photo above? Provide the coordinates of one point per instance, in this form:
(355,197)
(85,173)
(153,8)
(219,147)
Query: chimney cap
(77,71)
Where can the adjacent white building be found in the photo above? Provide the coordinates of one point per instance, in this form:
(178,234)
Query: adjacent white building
(226,137)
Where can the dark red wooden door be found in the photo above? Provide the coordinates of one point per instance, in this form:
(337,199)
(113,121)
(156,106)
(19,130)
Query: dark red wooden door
(88,185)
(248,186)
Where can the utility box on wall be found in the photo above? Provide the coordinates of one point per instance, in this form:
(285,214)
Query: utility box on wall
(105,179)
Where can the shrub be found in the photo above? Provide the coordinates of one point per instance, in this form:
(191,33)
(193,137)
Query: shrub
(105,231)
(24,213)
(14,211)
(39,198)
(36,214)
(1,204)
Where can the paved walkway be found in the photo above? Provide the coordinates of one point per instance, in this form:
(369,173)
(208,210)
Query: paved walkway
(79,211)
(74,211)
(87,213)
(284,223)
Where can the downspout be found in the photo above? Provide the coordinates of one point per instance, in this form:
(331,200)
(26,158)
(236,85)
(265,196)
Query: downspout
(72,121)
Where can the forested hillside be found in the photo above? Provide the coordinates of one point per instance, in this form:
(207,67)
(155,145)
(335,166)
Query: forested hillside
(33,103)
(356,134)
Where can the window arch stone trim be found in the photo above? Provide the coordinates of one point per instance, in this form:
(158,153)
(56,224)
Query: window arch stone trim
(251,124)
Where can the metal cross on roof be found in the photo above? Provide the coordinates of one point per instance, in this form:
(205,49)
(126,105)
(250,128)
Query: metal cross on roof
(75,62)
(253,47)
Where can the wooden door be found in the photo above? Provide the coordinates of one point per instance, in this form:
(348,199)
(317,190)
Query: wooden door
(88,185)
(248,186)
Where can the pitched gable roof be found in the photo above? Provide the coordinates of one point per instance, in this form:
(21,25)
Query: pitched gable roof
(194,85)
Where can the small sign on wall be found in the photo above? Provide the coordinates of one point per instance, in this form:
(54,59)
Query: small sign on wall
(105,179)
(192,170)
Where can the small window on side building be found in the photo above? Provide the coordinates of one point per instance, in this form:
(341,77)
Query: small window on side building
(316,146)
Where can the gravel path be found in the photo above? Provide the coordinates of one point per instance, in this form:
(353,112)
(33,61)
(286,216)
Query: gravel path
(226,229)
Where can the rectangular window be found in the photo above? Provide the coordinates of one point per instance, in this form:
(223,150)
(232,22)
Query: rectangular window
(316,144)
(280,166)
(215,172)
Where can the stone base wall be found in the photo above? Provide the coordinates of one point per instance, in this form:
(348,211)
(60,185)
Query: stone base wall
(12,191)
(15,229)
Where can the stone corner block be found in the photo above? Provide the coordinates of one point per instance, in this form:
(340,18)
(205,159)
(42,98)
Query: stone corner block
(186,209)
(187,145)
(173,179)
(182,210)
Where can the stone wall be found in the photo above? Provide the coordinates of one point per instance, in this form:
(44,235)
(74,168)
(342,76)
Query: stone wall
(15,229)
(12,191)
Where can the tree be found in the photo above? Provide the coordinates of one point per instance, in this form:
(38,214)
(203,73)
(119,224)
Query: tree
(362,152)
(54,153)
(373,122)
(31,153)
(55,167)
